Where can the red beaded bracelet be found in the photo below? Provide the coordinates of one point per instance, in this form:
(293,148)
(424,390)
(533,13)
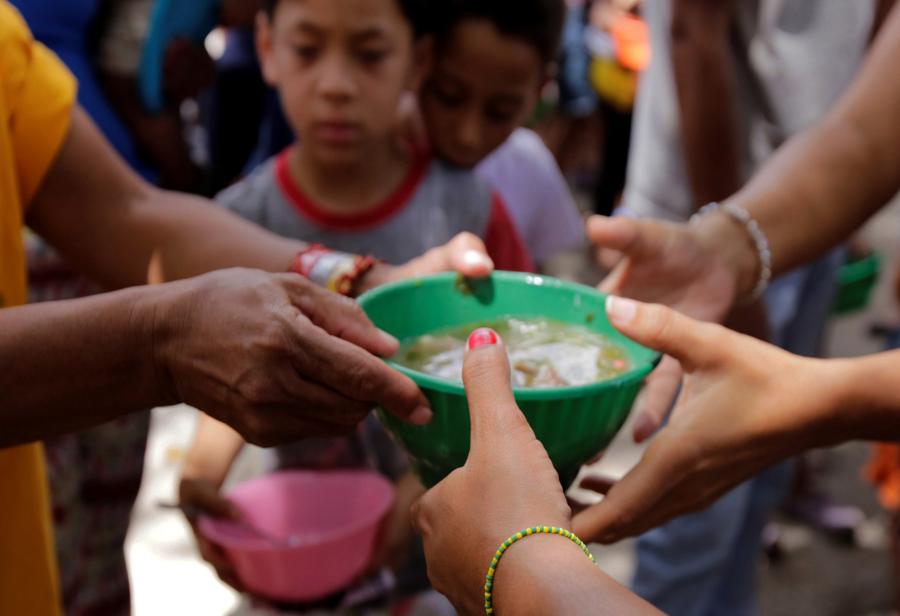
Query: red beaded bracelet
(336,271)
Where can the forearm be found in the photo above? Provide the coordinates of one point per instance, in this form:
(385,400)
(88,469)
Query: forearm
(818,190)
(92,358)
(119,230)
(867,406)
(178,236)
(707,100)
(551,575)
(825,183)
(215,447)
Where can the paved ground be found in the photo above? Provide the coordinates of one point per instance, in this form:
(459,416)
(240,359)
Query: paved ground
(817,576)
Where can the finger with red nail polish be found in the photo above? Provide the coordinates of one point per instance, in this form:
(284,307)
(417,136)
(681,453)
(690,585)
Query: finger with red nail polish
(482,336)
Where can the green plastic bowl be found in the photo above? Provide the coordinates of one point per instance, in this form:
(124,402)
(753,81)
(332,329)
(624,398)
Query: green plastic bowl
(573,423)
(856,281)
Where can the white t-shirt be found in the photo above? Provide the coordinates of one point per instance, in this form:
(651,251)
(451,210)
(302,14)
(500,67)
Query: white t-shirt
(793,59)
(525,174)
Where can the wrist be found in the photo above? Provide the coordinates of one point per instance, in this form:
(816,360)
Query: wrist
(380,273)
(729,240)
(154,329)
(819,389)
(535,572)
(336,271)
(866,401)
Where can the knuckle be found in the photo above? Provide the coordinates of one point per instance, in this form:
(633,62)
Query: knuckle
(352,309)
(361,381)
(660,322)
(291,279)
(477,368)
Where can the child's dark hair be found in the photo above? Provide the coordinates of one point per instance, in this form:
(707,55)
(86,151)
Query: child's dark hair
(412,10)
(537,22)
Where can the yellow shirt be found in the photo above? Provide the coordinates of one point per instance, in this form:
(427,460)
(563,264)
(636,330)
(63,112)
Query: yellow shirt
(36,98)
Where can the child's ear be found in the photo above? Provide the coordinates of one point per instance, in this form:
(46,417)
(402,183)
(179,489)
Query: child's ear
(264,48)
(423,60)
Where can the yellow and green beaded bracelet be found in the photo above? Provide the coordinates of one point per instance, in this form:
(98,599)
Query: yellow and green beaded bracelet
(526,532)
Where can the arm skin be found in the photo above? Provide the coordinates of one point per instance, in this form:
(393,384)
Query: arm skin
(824,184)
(52,354)
(213,452)
(91,211)
(705,83)
(869,407)
(159,235)
(551,575)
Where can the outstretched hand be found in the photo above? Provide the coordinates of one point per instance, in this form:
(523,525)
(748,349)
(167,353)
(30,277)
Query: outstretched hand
(745,406)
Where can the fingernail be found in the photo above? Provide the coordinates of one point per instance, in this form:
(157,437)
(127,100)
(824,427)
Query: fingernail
(391,340)
(421,416)
(482,337)
(474,258)
(619,310)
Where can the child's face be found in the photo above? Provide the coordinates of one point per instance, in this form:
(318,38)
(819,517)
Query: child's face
(483,86)
(340,67)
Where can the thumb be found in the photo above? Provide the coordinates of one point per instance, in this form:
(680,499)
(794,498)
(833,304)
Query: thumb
(468,256)
(619,234)
(690,342)
(631,237)
(492,408)
(638,501)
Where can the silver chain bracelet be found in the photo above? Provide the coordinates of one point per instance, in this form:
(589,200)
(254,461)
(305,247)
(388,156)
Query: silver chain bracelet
(763,253)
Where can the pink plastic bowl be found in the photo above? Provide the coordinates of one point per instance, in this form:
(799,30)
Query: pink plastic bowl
(333,516)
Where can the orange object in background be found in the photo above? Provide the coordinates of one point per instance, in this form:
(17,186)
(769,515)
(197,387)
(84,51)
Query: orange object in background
(884,472)
(631,38)
(615,77)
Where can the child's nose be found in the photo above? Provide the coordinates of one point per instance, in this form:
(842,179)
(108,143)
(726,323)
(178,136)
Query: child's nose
(336,79)
(469,134)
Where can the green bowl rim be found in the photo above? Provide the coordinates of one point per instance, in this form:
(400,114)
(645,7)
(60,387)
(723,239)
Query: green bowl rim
(422,379)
